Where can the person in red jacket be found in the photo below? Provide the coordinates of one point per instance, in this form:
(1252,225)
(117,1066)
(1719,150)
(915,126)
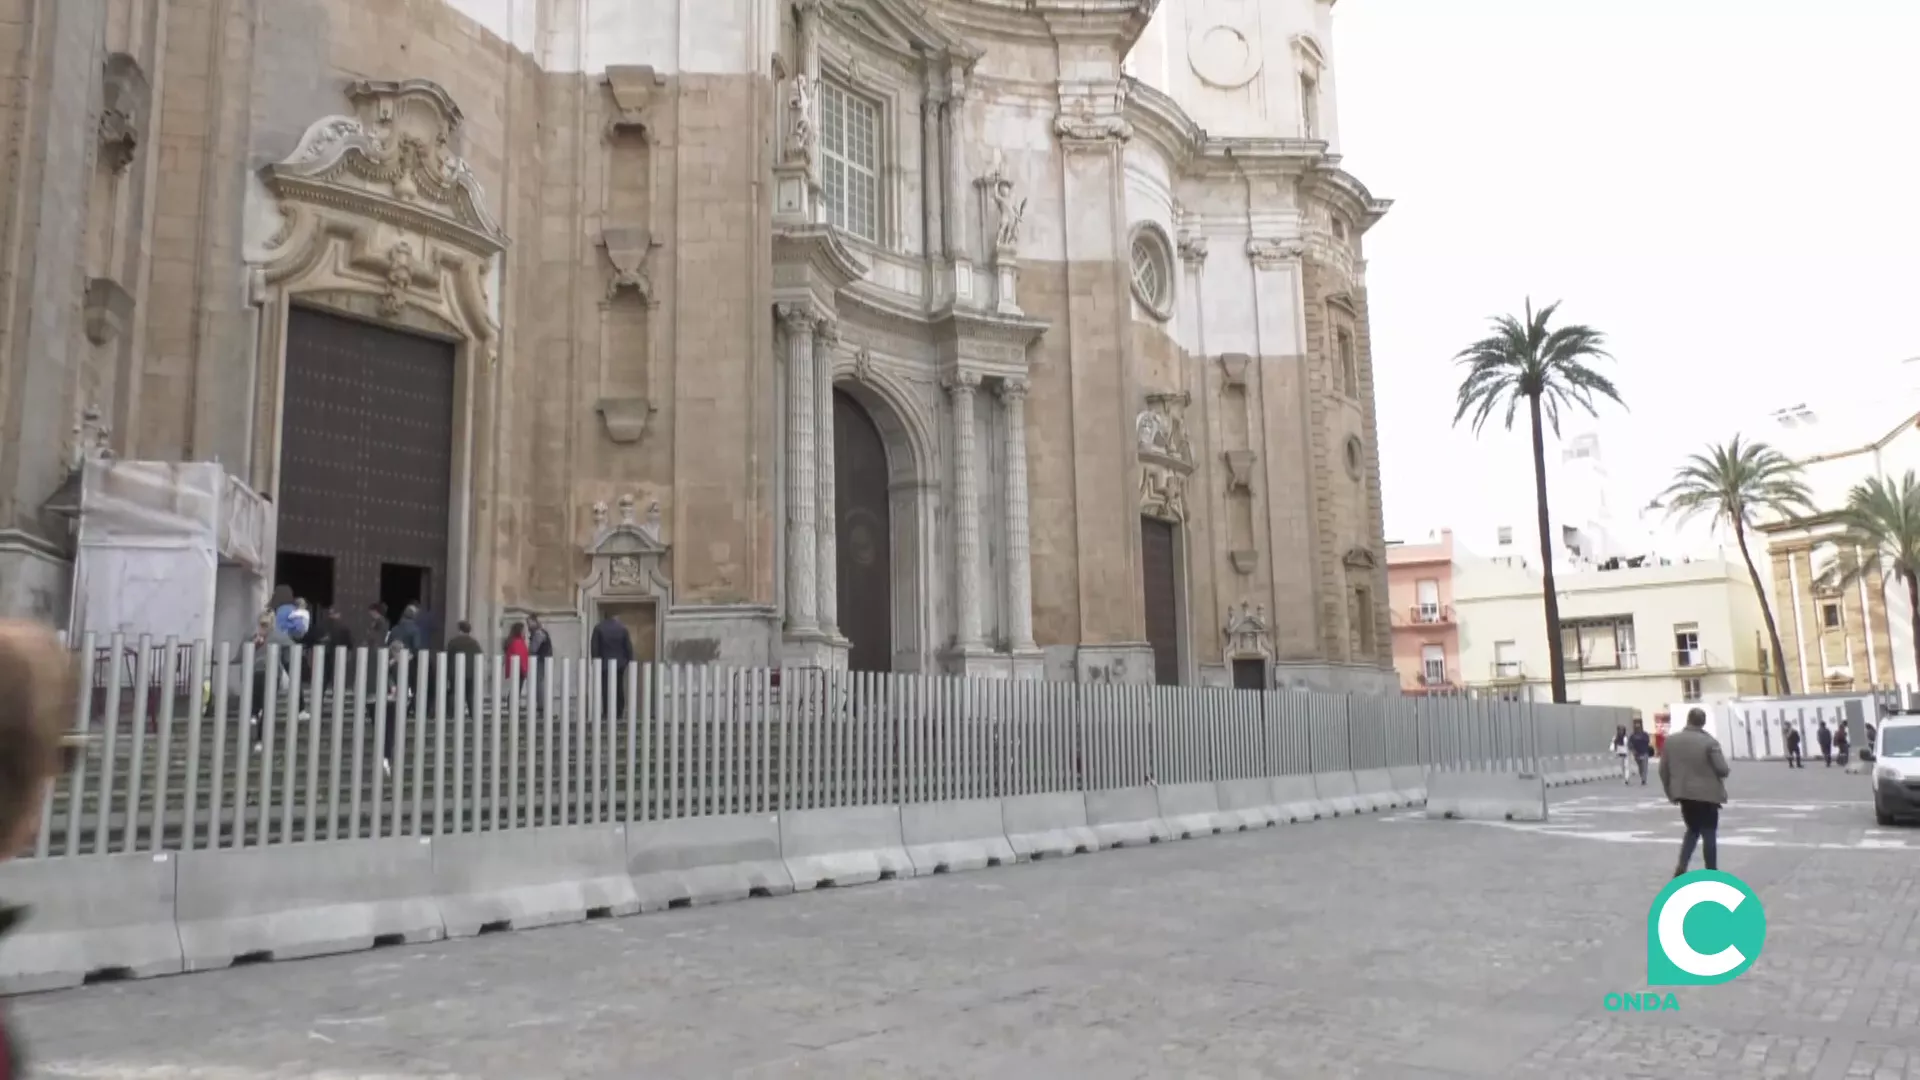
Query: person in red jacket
(38,692)
(519,659)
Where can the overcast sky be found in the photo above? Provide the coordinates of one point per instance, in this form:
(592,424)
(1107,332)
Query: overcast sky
(1730,189)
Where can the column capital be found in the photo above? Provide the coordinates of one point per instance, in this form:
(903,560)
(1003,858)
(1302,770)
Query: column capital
(1012,389)
(962,384)
(1193,247)
(826,334)
(1086,131)
(796,316)
(1271,253)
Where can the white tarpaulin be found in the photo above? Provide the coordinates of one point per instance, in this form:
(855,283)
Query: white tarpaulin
(152,538)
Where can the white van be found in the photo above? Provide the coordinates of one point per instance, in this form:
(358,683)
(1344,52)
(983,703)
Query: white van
(1896,769)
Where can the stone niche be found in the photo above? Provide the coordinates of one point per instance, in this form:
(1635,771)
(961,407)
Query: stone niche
(625,578)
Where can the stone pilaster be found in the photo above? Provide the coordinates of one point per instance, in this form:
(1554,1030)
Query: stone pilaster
(798,321)
(966,513)
(953,141)
(826,337)
(1013,397)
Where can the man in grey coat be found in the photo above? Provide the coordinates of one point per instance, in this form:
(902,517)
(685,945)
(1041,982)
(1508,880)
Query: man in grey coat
(1693,772)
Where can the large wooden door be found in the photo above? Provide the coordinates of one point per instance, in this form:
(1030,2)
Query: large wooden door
(366,458)
(1158,577)
(863,536)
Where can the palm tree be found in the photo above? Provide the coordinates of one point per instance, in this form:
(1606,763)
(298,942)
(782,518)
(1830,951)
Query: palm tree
(1732,482)
(1882,521)
(1524,360)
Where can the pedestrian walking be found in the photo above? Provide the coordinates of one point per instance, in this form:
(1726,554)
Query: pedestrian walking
(611,643)
(1824,737)
(463,643)
(539,642)
(1794,760)
(38,693)
(1620,751)
(1840,744)
(1693,773)
(1640,748)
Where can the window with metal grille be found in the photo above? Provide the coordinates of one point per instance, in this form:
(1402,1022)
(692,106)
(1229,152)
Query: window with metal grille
(850,161)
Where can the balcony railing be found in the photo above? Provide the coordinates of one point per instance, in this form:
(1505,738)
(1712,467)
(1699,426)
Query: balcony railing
(1424,615)
(1506,670)
(1691,659)
(1619,661)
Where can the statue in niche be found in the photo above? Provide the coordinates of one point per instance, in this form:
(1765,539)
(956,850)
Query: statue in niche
(800,101)
(1007,214)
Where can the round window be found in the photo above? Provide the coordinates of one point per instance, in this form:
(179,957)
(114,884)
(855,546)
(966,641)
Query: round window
(1152,264)
(1355,455)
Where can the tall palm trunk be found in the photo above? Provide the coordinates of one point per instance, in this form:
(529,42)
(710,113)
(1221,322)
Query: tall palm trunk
(1913,607)
(1766,609)
(1556,654)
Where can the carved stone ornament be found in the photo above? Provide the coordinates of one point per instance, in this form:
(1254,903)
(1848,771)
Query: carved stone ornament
(1193,248)
(1244,560)
(628,247)
(1271,254)
(800,119)
(1359,559)
(109,308)
(627,553)
(1085,130)
(1233,369)
(1008,213)
(633,87)
(863,364)
(625,418)
(1163,492)
(1161,429)
(125,102)
(1247,632)
(380,202)
(1239,469)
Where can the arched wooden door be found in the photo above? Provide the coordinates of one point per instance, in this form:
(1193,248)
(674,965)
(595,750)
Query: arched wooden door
(864,536)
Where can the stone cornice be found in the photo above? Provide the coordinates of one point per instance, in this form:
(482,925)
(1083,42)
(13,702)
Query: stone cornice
(1159,120)
(911,32)
(822,249)
(1346,192)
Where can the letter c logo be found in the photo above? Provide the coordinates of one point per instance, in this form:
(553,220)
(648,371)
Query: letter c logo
(1673,932)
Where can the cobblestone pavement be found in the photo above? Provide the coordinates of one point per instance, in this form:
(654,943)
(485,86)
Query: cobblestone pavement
(1386,947)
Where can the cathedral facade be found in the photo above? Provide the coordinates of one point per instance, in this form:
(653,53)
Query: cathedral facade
(972,336)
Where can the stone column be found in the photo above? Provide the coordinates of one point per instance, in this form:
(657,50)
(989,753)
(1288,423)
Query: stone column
(802,493)
(825,339)
(966,511)
(932,183)
(1013,398)
(953,141)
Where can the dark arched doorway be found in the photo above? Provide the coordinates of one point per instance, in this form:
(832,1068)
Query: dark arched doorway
(864,536)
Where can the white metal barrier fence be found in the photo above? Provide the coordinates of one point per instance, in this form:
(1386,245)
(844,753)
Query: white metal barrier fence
(241,803)
(197,749)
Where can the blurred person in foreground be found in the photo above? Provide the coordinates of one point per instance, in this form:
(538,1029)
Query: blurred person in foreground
(38,692)
(1693,772)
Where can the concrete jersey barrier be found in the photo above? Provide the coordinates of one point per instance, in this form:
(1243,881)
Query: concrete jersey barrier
(1193,810)
(1248,804)
(1126,817)
(525,878)
(958,834)
(706,860)
(86,916)
(1297,798)
(290,901)
(1054,823)
(848,845)
(1336,790)
(1487,796)
(1375,790)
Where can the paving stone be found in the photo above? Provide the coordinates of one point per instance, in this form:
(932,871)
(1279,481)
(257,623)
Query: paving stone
(1379,948)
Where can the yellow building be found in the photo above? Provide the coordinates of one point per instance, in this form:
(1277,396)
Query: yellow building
(1839,635)
(1641,637)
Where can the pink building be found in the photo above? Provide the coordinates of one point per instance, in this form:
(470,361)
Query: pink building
(1426,639)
